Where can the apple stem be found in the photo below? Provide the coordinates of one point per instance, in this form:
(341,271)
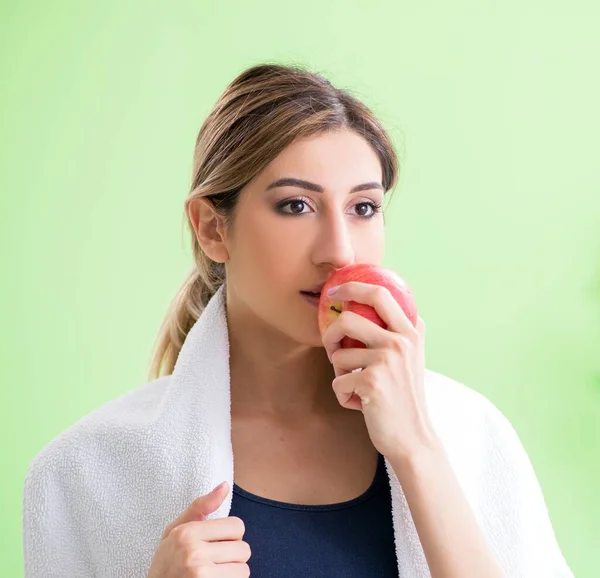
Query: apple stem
(334,309)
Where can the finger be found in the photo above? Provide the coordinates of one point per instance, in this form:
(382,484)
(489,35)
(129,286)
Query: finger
(217,530)
(350,391)
(233,551)
(205,505)
(348,360)
(200,508)
(233,570)
(378,297)
(350,324)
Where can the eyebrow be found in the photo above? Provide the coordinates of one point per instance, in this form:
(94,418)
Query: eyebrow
(291,182)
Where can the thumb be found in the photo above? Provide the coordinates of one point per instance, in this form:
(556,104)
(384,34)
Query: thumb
(201,507)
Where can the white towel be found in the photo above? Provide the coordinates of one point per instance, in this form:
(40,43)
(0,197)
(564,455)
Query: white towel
(98,497)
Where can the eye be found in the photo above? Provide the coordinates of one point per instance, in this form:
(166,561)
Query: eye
(375,208)
(294,204)
(297,205)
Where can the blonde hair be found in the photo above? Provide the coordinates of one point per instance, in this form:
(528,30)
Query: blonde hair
(258,115)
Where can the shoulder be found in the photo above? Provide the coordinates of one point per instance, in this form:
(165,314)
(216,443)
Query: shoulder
(98,436)
(469,424)
(498,477)
(89,484)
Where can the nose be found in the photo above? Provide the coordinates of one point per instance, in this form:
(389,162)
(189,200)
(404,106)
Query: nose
(334,242)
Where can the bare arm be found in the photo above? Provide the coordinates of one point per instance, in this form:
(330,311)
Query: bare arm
(453,542)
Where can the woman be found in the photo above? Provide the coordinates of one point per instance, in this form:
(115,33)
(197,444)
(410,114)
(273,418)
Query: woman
(392,470)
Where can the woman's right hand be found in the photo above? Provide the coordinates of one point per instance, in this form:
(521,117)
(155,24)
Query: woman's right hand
(194,547)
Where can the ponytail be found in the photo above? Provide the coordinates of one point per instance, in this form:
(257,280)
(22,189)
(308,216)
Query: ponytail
(185,309)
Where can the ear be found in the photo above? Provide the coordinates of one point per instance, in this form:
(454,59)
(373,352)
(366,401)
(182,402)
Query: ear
(208,227)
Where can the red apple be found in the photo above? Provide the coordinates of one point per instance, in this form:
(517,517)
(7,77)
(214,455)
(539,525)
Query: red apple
(330,308)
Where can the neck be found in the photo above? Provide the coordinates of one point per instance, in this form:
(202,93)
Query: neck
(273,376)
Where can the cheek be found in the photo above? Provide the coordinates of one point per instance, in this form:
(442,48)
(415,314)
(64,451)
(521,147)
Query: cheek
(369,245)
(267,255)
(282,257)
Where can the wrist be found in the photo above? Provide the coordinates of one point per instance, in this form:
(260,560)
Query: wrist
(418,458)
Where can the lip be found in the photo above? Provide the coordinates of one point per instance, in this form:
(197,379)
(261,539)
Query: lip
(312,299)
(315,289)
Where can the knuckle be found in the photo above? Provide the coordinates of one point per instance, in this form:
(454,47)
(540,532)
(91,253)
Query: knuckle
(412,332)
(345,319)
(397,344)
(180,534)
(411,338)
(196,561)
(337,355)
(381,357)
(370,379)
(238,524)
(167,531)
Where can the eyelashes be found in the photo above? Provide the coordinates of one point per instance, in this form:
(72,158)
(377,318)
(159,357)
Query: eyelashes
(375,208)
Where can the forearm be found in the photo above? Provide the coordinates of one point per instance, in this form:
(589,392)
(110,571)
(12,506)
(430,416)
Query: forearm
(453,542)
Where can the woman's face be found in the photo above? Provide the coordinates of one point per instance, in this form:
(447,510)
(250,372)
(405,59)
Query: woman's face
(287,239)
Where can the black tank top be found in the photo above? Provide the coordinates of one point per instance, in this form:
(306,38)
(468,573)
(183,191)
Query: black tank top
(353,539)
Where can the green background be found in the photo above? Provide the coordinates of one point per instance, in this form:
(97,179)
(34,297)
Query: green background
(495,222)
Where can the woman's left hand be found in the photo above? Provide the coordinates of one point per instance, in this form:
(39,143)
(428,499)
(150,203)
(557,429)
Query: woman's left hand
(390,388)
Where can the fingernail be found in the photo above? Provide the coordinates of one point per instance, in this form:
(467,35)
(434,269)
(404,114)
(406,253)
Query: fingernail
(332,290)
(219,486)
